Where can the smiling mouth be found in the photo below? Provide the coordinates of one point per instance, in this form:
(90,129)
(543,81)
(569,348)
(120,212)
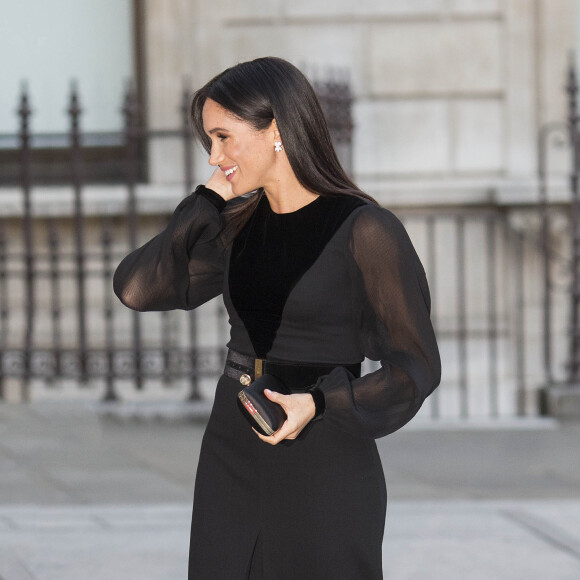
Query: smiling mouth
(229,172)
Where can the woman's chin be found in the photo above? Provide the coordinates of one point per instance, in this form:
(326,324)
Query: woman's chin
(237,190)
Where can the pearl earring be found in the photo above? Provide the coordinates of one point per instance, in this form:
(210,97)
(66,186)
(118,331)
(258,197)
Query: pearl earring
(278,146)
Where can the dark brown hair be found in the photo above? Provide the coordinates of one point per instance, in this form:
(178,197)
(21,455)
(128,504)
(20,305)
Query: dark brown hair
(264,89)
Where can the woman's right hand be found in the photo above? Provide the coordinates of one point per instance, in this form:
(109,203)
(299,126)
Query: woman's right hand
(218,183)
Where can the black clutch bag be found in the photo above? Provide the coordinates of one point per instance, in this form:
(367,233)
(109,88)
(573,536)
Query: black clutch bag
(264,415)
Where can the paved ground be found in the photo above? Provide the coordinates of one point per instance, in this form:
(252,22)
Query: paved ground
(85,495)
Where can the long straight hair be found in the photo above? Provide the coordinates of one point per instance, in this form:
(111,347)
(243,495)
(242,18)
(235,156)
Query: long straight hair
(268,88)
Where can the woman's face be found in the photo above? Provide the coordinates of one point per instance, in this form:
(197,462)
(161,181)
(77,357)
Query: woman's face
(245,155)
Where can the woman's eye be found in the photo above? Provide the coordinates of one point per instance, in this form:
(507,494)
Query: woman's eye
(222,137)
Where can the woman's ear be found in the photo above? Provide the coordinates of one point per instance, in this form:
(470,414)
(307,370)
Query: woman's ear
(274,126)
(276,137)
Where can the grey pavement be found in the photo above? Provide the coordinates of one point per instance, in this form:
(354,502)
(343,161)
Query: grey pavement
(97,492)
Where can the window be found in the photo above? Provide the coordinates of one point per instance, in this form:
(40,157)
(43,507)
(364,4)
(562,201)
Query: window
(48,44)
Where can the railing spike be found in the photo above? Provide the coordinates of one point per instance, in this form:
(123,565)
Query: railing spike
(74,108)
(130,107)
(185,99)
(24,109)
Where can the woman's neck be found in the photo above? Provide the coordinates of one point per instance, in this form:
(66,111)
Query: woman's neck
(286,194)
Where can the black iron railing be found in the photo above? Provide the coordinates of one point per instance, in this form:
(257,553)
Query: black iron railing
(59,319)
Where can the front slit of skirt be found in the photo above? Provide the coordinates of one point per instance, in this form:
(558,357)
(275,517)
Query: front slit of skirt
(257,561)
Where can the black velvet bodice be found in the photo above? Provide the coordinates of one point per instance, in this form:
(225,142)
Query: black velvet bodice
(334,282)
(271,254)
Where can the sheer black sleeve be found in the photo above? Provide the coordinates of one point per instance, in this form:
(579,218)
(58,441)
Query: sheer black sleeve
(395,328)
(183,266)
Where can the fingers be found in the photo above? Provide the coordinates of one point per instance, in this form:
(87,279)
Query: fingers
(298,412)
(285,432)
(276,397)
(218,183)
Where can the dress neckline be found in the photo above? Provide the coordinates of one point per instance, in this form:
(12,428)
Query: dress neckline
(298,211)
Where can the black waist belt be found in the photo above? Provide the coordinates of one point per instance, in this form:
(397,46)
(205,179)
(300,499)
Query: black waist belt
(296,376)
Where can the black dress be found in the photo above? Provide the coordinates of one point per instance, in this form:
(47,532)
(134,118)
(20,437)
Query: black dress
(332,282)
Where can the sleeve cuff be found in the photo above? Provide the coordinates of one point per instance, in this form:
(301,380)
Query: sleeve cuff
(214,198)
(319,401)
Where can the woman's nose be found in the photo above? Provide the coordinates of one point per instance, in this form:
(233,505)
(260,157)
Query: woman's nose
(215,155)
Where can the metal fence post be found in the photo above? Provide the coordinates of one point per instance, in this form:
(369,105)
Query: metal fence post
(74,112)
(188,168)
(106,243)
(24,112)
(56,297)
(131,114)
(572,90)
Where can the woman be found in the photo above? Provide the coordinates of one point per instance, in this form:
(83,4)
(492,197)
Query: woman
(316,275)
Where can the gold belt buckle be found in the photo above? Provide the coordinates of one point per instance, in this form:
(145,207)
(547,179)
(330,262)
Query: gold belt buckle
(258,366)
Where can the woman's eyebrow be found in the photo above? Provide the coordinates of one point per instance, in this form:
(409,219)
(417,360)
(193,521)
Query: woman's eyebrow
(212,131)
